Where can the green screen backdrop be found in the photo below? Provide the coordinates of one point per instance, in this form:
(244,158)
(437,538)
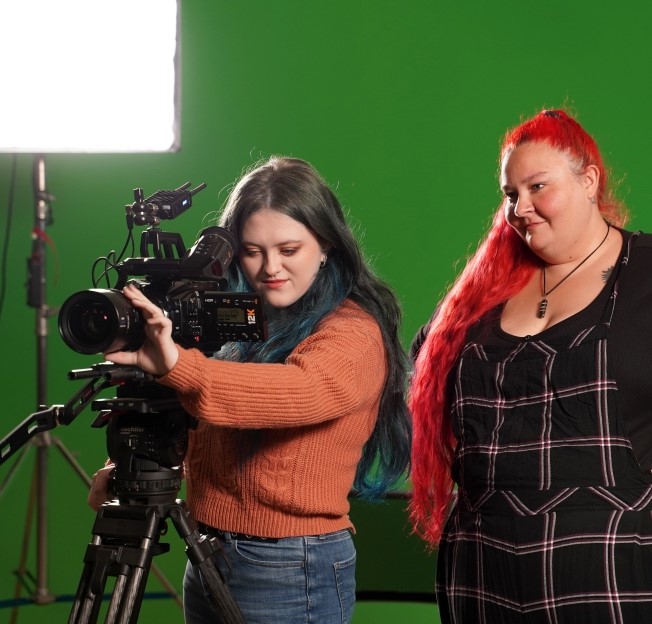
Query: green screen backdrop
(401,107)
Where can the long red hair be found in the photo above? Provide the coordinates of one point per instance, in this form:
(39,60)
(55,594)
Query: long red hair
(501,267)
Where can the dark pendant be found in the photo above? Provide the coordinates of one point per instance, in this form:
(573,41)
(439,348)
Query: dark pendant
(543,306)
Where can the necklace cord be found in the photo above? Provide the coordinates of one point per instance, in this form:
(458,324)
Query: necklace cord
(543,304)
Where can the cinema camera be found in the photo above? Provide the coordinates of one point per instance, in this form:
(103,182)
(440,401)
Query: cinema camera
(188,285)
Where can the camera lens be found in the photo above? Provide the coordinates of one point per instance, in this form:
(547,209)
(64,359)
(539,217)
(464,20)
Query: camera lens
(99,321)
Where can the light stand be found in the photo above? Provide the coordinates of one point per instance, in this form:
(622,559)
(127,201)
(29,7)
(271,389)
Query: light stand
(36,298)
(88,74)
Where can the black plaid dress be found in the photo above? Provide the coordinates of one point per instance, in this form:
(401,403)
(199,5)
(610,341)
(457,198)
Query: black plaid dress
(553,521)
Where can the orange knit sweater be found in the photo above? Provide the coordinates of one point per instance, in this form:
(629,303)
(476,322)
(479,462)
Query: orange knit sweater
(313,414)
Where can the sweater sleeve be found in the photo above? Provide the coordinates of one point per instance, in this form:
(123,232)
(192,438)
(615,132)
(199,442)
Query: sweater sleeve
(335,371)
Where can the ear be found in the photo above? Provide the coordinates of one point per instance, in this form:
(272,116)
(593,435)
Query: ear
(591,178)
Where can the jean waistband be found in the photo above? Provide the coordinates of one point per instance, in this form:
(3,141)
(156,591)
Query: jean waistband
(224,535)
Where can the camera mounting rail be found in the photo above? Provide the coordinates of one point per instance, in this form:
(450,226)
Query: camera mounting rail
(102,376)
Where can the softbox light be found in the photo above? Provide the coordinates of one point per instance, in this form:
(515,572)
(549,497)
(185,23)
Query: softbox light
(89,76)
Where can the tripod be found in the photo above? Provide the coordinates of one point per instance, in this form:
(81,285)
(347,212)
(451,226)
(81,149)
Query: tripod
(126,538)
(146,437)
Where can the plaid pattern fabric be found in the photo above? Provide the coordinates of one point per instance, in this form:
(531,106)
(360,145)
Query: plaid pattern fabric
(553,519)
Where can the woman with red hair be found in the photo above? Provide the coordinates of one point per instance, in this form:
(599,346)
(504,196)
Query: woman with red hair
(532,462)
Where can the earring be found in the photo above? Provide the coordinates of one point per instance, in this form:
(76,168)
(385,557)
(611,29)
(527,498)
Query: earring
(593,200)
(322,264)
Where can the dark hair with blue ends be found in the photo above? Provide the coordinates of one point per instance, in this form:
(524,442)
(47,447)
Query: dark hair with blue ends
(293,187)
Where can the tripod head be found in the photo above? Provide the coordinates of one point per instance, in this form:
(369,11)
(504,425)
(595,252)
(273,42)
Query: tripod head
(147,440)
(146,431)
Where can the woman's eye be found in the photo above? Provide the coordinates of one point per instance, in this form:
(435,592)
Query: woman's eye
(289,252)
(250,252)
(538,186)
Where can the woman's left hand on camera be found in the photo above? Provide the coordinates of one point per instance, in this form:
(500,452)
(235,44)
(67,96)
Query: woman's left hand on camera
(158,354)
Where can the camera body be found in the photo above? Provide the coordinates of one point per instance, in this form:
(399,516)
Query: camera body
(203,316)
(188,285)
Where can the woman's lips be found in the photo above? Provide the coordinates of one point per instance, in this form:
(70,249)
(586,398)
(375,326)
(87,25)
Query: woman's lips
(273,284)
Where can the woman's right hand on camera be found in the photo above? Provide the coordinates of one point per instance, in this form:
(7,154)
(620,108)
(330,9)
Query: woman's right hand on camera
(99,492)
(159,353)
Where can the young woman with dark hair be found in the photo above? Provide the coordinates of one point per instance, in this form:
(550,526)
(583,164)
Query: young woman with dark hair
(290,426)
(531,462)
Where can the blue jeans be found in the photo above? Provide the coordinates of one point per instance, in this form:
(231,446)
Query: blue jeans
(295,580)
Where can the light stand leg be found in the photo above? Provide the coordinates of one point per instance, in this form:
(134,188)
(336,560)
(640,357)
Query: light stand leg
(21,571)
(42,594)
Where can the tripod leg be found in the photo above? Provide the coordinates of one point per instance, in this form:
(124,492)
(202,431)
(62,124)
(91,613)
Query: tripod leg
(221,597)
(200,550)
(127,594)
(129,590)
(125,539)
(124,605)
(86,604)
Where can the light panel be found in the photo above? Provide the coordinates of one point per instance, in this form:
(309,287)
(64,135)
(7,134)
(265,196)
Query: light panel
(89,76)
